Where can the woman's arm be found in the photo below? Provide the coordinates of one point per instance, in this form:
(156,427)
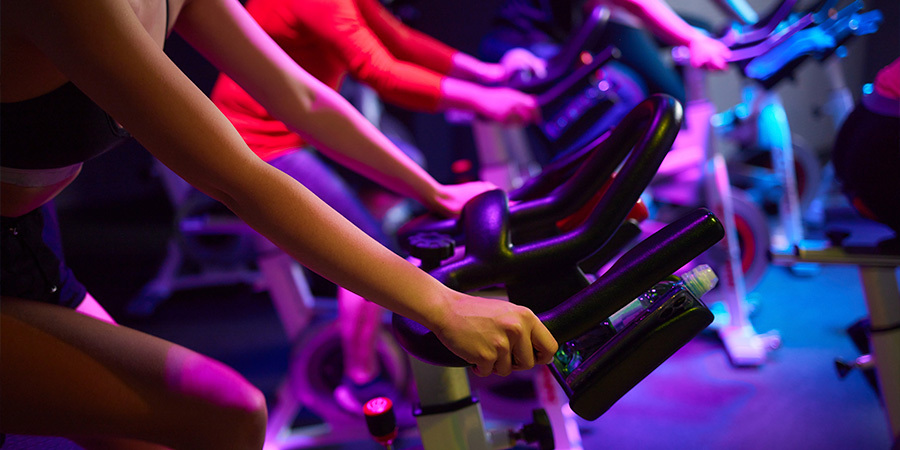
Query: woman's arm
(402,41)
(345,29)
(224,33)
(515,60)
(423,50)
(499,104)
(662,21)
(106,52)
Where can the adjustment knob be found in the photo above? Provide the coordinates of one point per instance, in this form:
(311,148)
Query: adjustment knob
(380,420)
(431,248)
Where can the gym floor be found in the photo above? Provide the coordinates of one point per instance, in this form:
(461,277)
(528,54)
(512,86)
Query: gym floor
(697,399)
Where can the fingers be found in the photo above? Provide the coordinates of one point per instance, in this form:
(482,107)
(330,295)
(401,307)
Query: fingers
(540,68)
(520,59)
(532,344)
(452,198)
(714,64)
(545,345)
(707,62)
(522,114)
(525,112)
(523,354)
(534,110)
(503,365)
(507,337)
(484,367)
(511,351)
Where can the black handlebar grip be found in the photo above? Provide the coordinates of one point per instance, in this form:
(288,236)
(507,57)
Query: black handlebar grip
(561,64)
(648,262)
(640,268)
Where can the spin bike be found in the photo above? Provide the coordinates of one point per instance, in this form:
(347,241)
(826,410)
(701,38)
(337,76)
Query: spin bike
(759,127)
(316,365)
(522,248)
(766,52)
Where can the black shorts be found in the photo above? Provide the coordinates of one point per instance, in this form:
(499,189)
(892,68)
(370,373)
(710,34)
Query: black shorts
(32,266)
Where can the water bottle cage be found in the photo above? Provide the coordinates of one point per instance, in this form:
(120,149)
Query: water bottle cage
(603,376)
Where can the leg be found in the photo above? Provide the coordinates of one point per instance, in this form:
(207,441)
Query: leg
(359,327)
(111,386)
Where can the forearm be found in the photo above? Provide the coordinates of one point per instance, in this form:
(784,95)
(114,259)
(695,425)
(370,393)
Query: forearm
(207,153)
(469,68)
(499,104)
(659,17)
(328,244)
(106,52)
(339,131)
(406,43)
(460,94)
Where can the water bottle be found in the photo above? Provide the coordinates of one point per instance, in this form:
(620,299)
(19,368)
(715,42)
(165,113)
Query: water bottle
(696,282)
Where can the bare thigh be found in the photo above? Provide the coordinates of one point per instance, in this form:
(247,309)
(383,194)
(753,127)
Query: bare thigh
(66,374)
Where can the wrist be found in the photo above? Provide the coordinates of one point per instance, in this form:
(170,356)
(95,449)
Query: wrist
(470,68)
(459,94)
(698,37)
(438,314)
(430,195)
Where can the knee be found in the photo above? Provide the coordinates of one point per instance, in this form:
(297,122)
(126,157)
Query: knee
(249,427)
(238,423)
(247,424)
(236,412)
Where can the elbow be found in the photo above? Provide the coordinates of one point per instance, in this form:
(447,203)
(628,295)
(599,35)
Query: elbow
(304,98)
(294,105)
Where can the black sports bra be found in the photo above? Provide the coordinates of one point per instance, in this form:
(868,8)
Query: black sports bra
(58,129)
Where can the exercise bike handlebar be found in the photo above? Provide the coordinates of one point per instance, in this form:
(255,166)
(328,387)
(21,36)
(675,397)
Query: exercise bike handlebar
(561,64)
(635,272)
(752,31)
(648,130)
(640,142)
(550,98)
(738,10)
(642,139)
(819,41)
(785,41)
